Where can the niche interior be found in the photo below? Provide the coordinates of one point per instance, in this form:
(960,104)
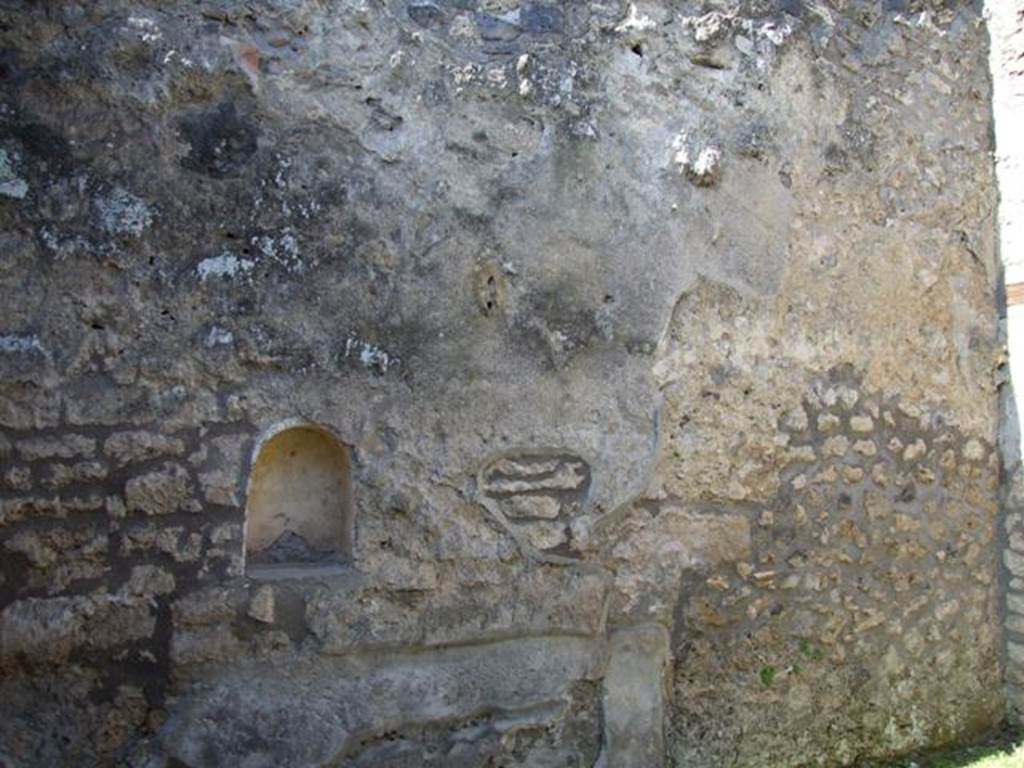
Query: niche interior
(299,506)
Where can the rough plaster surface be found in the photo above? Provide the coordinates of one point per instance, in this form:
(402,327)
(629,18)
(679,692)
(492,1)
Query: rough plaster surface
(663,326)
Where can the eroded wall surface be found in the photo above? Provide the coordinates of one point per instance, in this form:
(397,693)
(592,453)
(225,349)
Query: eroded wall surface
(662,337)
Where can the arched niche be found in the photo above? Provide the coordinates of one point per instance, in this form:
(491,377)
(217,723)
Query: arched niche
(299,504)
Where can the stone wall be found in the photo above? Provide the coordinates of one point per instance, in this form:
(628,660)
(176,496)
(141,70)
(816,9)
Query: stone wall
(1006,25)
(661,339)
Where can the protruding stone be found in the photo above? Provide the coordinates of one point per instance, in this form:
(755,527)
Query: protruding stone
(261,605)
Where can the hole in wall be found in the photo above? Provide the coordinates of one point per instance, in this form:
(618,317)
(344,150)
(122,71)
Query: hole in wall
(299,507)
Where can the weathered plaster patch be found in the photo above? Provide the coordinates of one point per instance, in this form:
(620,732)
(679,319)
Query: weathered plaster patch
(21,344)
(635,21)
(123,213)
(369,355)
(225,265)
(700,163)
(11,185)
(282,248)
(219,337)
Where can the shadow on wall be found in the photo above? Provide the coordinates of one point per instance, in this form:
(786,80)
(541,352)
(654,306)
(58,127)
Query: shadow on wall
(299,507)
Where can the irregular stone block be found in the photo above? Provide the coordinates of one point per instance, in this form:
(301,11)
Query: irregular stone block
(261,605)
(203,645)
(159,493)
(138,446)
(48,630)
(149,580)
(1014,562)
(63,447)
(209,606)
(536,473)
(61,475)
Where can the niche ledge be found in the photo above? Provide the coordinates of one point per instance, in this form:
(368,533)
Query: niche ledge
(285,571)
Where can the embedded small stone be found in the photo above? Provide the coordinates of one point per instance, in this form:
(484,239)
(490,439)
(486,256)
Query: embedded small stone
(719,583)
(827,422)
(801,453)
(915,450)
(837,445)
(974,450)
(853,474)
(849,396)
(792,581)
(827,475)
(861,423)
(796,419)
(880,474)
(523,506)
(865,447)
(546,535)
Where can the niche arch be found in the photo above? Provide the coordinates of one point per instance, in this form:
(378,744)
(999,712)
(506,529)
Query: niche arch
(298,506)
